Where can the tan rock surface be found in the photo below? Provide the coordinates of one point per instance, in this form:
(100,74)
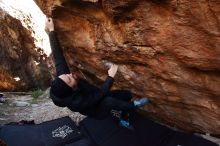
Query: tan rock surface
(20,58)
(167,50)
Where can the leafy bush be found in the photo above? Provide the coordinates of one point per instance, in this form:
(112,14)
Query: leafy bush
(37,93)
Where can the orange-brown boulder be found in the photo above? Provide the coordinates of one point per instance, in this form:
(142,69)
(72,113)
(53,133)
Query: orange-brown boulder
(168,50)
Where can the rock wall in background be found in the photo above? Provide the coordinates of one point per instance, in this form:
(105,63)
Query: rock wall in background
(19,59)
(168,50)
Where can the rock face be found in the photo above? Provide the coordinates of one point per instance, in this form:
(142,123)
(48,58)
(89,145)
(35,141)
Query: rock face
(19,59)
(168,51)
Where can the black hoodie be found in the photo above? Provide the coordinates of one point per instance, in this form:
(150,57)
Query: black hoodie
(85,97)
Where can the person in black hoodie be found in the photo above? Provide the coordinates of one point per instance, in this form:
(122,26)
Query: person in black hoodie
(68,90)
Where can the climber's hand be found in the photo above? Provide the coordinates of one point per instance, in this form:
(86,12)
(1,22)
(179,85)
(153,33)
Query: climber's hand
(49,26)
(113,70)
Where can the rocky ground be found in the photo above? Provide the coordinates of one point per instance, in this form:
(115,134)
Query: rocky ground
(22,106)
(25,107)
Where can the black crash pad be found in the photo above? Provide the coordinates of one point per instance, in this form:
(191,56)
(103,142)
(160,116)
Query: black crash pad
(57,132)
(147,133)
(64,132)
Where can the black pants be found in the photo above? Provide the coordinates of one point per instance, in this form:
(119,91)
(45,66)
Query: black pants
(115,100)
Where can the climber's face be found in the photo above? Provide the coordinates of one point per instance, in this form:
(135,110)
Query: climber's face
(69,79)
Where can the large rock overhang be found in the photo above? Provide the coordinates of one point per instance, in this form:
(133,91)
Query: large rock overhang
(168,51)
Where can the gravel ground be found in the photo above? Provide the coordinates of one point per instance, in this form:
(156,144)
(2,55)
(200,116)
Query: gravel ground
(40,109)
(50,112)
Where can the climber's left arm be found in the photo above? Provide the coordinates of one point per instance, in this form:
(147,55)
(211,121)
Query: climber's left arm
(59,60)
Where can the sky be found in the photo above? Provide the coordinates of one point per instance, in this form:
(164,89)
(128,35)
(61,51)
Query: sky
(23,8)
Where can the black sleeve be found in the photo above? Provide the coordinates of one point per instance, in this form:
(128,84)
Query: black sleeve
(103,90)
(59,60)
(93,98)
(106,86)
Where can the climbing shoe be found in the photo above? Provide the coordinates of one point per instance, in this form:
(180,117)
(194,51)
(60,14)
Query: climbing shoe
(126,124)
(140,102)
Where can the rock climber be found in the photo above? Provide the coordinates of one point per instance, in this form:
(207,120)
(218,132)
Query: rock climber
(69,90)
